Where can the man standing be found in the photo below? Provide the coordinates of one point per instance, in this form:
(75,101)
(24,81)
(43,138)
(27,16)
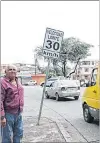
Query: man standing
(12,102)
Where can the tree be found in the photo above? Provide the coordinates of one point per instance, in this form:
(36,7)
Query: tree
(74,49)
(38,52)
(71,50)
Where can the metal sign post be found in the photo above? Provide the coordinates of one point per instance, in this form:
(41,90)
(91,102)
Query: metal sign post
(51,49)
(47,73)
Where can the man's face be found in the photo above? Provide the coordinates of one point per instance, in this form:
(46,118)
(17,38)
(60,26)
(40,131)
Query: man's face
(11,72)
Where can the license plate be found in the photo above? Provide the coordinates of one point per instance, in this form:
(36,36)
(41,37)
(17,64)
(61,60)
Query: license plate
(71,89)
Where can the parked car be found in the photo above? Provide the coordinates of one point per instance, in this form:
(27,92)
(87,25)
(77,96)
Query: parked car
(31,82)
(62,88)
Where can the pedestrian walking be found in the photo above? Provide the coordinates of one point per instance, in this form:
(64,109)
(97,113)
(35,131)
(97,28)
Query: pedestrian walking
(12,102)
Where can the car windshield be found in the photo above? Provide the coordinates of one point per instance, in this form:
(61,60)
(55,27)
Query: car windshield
(48,83)
(52,79)
(95,75)
(68,83)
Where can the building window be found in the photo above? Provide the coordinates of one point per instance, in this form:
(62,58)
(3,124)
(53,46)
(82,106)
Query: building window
(79,72)
(92,62)
(86,69)
(86,63)
(86,77)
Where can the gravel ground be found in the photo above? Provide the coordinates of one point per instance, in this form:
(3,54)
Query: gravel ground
(47,131)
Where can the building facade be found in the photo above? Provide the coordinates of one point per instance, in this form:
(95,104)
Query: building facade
(23,69)
(84,69)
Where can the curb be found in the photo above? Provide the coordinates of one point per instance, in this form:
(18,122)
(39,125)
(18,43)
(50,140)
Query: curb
(65,134)
(62,130)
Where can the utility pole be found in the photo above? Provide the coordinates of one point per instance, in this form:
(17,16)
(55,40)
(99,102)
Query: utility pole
(35,66)
(35,62)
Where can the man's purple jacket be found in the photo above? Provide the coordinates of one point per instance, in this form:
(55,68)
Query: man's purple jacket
(12,97)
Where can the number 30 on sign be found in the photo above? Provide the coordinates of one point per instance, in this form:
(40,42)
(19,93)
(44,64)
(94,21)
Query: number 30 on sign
(52,43)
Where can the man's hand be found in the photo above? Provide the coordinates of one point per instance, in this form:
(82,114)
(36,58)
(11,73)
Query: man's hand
(3,122)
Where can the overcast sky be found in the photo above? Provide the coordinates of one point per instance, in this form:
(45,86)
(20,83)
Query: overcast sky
(23,25)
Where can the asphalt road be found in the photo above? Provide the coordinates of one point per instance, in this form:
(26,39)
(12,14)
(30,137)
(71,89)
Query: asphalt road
(70,109)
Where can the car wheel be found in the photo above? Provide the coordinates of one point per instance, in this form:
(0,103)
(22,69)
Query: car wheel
(46,95)
(86,113)
(76,97)
(57,97)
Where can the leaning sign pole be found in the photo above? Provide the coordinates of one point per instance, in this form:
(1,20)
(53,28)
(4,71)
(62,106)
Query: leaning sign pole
(51,50)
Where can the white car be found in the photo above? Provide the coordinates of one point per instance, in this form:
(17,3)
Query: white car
(31,82)
(62,88)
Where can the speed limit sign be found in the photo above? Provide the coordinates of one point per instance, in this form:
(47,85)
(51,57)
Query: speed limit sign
(52,43)
(51,49)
